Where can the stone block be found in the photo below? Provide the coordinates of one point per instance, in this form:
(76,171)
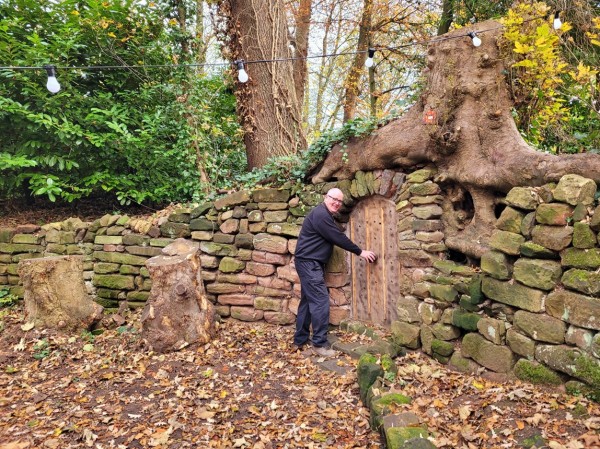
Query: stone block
(246,313)
(496,264)
(231,265)
(510,220)
(573,308)
(260,269)
(236,300)
(277,216)
(270,195)
(581,258)
(522,198)
(408,309)
(492,330)
(218,249)
(520,344)
(583,236)
(230,226)
(555,214)
(535,251)
(583,281)
(513,294)
(465,320)
(233,199)
(424,189)
(114,281)
(445,293)
(571,361)
(224,288)
(120,258)
(573,189)
(536,373)
(555,238)
(506,242)
(527,225)
(270,243)
(279,318)
(497,358)
(582,338)
(202,224)
(405,334)
(289,229)
(537,273)
(540,327)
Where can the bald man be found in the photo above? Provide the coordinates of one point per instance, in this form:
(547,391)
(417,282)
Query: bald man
(315,244)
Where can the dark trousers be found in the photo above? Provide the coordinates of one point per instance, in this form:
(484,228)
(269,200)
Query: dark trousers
(314,303)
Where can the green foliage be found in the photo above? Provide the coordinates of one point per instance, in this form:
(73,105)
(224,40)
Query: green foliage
(555,107)
(42,349)
(295,168)
(128,132)
(7,299)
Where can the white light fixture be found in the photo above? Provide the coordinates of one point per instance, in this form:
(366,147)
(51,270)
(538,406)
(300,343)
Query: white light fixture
(476,40)
(52,85)
(242,75)
(369,62)
(556,24)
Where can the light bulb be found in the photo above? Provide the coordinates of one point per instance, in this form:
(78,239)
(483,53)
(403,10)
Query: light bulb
(52,84)
(242,75)
(476,40)
(556,24)
(369,62)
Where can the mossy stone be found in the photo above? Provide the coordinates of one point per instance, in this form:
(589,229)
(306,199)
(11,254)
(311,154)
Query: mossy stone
(535,373)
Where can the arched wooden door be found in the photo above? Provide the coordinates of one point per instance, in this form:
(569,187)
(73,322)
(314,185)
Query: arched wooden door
(375,287)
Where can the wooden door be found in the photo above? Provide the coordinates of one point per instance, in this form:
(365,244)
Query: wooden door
(375,287)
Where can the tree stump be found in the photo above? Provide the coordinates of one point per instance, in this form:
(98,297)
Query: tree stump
(55,294)
(177,313)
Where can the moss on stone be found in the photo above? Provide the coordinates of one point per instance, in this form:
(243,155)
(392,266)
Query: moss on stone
(536,373)
(396,437)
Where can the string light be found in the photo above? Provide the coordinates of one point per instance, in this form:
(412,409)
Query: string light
(476,40)
(557,24)
(52,85)
(242,74)
(369,62)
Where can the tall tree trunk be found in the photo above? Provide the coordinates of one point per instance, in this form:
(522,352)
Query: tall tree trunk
(352,81)
(473,139)
(447,17)
(199,44)
(302,19)
(267,104)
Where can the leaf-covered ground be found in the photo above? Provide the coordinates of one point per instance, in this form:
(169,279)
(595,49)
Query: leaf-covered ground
(248,389)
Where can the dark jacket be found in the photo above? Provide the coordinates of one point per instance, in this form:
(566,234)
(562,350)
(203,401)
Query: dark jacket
(318,235)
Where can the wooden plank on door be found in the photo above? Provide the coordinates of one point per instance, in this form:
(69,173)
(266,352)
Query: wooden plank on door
(374,286)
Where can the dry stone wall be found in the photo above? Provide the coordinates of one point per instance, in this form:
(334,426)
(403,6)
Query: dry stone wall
(530,309)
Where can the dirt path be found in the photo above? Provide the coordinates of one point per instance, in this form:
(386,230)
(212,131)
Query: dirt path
(248,389)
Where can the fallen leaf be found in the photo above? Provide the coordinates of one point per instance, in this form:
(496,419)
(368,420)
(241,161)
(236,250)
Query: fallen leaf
(28,326)
(20,346)
(464,412)
(15,445)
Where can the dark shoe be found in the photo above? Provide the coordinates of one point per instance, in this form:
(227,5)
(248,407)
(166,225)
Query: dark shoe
(323,351)
(296,348)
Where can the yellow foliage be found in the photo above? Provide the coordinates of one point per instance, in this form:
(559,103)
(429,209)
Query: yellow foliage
(532,48)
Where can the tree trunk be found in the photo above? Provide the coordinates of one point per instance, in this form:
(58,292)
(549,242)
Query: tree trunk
(352,81)
(447,17)
(55,295)
(473,140)
(270,113)
(178,312)
(302,19)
